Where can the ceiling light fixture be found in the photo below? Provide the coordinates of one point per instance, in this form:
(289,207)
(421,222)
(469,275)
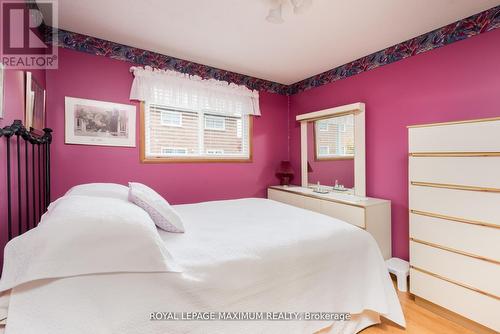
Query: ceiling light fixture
(299,6)
(275,15)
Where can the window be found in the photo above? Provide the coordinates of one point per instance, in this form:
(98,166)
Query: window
(173,151)
(324,150)
(215,123)
(210,120)
(215,151)
(322,126)
(239,128)
(334,138)
(195,135)
(171,118)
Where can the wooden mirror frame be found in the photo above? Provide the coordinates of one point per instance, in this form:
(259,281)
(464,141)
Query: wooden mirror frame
(358,110)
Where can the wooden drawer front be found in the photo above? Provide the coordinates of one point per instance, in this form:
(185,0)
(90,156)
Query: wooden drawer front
(351,214)
(468,238)
(470,304)
(283,197)
(294,199)
(471,205)
(470,171)
(475,273)
(465,137)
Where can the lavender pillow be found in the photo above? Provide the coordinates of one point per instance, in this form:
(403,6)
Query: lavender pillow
(161,212)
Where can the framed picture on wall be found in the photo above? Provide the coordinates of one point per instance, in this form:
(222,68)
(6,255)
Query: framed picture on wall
(91,122)
(1,89)
(35,104)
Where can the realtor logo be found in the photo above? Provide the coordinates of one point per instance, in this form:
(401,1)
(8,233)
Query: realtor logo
(22,37)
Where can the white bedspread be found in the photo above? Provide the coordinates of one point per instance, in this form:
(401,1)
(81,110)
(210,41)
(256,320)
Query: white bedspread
(240,255)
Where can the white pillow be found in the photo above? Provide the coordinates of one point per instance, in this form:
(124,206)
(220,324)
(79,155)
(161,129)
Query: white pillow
(87,235)
(111,190)
(162,213)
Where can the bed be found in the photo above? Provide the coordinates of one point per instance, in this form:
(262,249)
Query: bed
(247,255)
(98,264)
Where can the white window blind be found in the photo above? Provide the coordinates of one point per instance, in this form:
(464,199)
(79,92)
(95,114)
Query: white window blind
(171,118)
(334,137)
(215,151)
(202,135)
(215,123)
(172,151)
(324,150)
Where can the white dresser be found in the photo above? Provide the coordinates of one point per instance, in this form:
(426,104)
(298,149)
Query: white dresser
(454,202)
(371,214)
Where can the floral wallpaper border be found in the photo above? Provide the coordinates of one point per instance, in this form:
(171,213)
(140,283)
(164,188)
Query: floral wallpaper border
(100,47)
(460,30)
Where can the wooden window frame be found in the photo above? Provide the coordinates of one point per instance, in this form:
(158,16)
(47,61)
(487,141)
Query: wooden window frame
(177,159)
(214,129)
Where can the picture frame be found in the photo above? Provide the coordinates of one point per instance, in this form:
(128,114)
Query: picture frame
(35,104)
(1,88)
(93,122)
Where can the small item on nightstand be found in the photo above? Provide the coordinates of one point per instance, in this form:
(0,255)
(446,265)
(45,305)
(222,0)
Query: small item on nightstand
(319,189)
(339,187)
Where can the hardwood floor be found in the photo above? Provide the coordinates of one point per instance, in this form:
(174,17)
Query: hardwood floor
(419,320)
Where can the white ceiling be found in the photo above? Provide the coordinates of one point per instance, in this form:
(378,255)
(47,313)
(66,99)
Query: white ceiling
(234,35)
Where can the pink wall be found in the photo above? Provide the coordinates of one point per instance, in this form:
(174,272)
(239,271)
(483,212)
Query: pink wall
(100,78)
(459,81)
(325,171)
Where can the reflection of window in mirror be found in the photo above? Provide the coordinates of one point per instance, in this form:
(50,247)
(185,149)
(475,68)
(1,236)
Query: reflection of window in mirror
(334,138)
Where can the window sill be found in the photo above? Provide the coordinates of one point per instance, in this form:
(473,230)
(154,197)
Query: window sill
(160,160)
(334,158)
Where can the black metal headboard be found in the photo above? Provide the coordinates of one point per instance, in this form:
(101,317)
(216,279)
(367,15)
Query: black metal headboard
(28,175)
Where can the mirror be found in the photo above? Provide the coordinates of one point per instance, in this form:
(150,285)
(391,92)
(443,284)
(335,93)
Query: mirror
(330,151)
(333,149)
(35,104)
(1,90)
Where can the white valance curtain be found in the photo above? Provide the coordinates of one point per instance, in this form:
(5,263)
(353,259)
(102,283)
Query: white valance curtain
(189,92)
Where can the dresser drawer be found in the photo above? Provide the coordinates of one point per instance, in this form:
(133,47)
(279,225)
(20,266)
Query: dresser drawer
(297,200)
(470,304)
(472,272)
(464,137)
(478,240)
(470,171)
(351,214)
(470,205)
